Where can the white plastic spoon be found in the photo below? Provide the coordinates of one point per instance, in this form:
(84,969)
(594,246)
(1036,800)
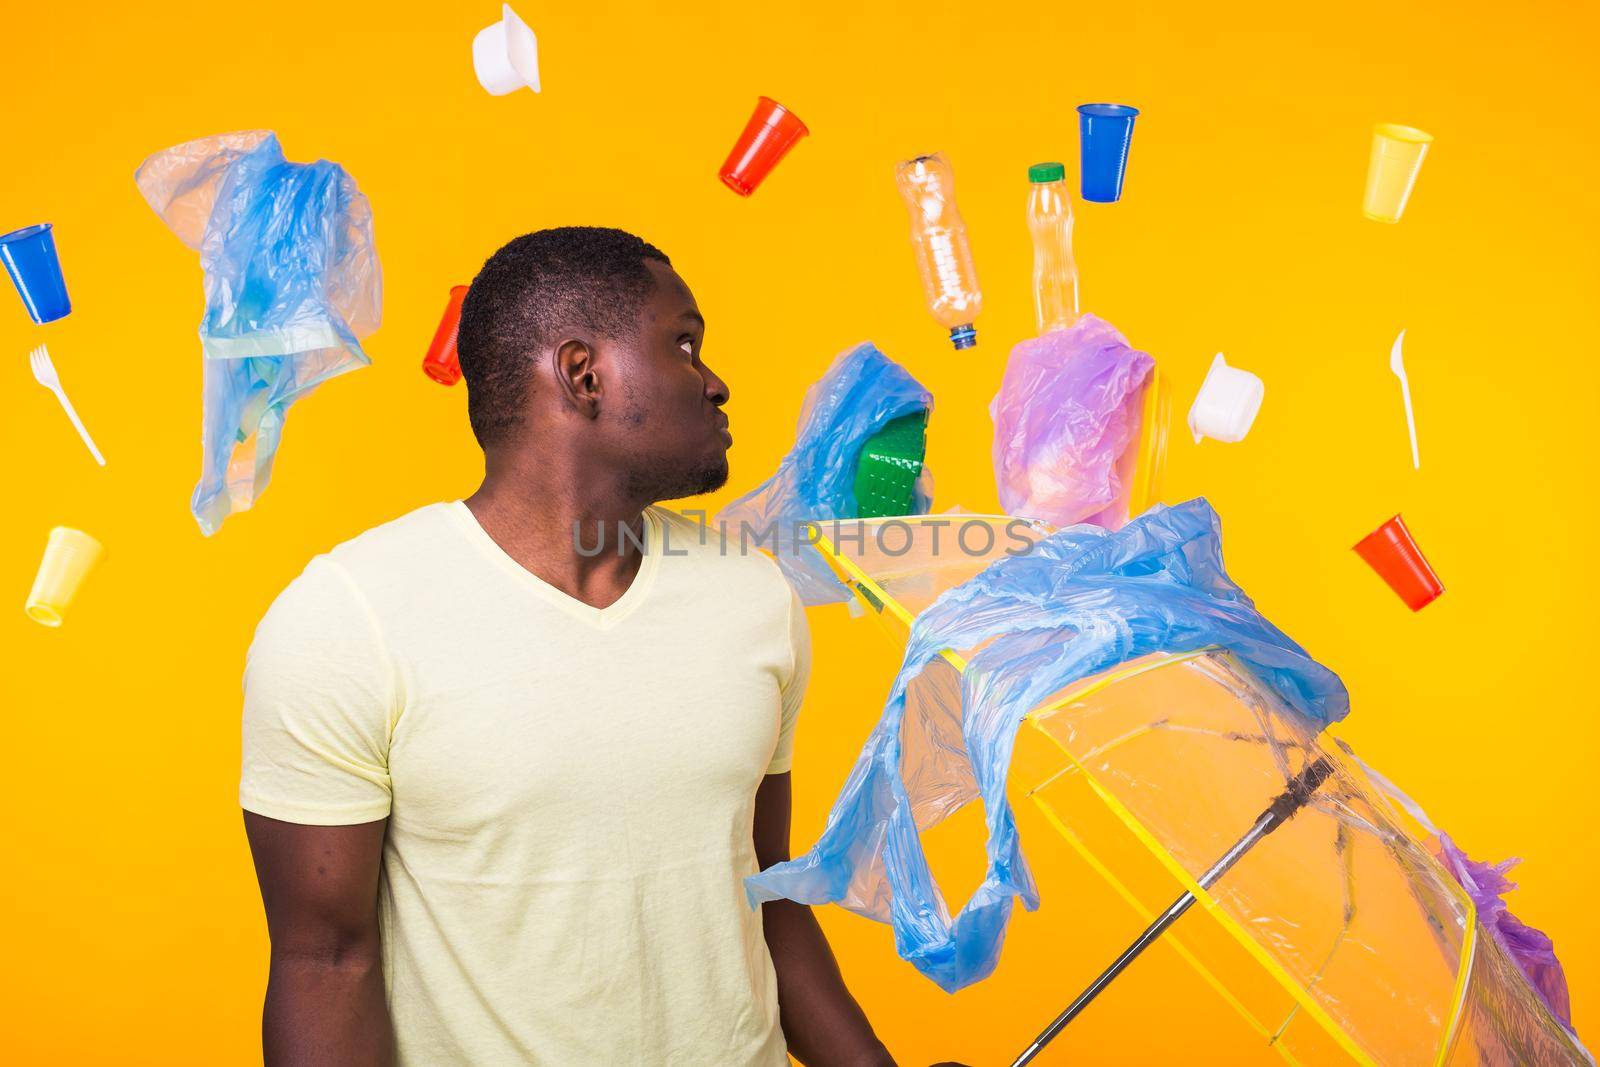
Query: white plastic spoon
(1397,364)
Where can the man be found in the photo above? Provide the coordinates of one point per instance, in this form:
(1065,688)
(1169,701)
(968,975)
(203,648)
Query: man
(507,760)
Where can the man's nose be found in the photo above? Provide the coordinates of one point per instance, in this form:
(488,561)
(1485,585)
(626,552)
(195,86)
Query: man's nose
(716,388)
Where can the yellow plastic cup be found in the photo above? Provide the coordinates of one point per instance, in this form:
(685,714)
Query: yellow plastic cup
(1397,153)
(68,557)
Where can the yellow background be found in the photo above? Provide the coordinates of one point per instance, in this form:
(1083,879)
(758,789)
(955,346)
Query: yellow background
(130,926)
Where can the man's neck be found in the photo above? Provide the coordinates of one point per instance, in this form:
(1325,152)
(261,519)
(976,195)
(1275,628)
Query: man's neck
(565,524)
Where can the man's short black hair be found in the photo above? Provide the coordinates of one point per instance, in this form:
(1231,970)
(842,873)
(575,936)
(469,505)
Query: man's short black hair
(542,283)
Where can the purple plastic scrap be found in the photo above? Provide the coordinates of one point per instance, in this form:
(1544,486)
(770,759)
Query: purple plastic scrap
(1065,421)
(1486,884)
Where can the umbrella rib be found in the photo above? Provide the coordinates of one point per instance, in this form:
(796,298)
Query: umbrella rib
(1341,845)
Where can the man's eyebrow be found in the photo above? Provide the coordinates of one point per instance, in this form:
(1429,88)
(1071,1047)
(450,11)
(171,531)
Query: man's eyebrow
(696,316)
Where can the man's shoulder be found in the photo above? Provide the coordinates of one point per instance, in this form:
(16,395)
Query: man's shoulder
(342,573)
(414,532)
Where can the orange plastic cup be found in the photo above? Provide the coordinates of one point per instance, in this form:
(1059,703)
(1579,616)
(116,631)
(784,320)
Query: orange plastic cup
(766,139)
(1393,553)
(441,363)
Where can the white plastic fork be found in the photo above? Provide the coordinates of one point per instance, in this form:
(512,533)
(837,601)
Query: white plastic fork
(44,372)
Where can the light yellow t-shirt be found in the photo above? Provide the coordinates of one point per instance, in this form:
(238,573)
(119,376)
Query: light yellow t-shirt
(570,791)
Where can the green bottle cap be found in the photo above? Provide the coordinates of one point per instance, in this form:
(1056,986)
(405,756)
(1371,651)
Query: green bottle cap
(1046,172)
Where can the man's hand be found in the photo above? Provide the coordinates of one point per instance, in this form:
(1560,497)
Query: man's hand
(822,1022)
(325,1001)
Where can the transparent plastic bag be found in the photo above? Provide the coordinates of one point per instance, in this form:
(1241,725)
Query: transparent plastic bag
(1080,602)
(1066,422)
(861,392)
(292,283)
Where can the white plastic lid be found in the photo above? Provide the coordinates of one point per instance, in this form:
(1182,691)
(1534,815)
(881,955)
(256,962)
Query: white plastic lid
(1227,404)
(505,56)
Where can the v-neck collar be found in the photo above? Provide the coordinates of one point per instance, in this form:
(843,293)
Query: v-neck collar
(602,618)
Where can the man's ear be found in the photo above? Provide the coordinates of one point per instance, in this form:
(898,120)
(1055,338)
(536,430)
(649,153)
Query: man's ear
(576,376)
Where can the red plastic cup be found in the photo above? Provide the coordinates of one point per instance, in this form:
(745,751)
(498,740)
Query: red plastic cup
(766,139)
(1391,551)
(441,363)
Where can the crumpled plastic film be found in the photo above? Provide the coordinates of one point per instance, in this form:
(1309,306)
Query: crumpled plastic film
(1066,425)
(1531,949)
(862,391)
(1082,601)
(292,283)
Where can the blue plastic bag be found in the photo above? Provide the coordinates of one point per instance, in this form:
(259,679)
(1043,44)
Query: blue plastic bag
(1081,602)
(292,283)
(862,391)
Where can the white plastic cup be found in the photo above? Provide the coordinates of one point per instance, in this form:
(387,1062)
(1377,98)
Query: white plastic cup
(1227,404)
(1392,169)
(505,56)
(69,556)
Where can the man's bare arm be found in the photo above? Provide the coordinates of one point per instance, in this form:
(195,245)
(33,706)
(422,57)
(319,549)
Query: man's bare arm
(822,1022)
(325,999)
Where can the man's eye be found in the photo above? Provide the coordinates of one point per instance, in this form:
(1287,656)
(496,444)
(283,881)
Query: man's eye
(687,345)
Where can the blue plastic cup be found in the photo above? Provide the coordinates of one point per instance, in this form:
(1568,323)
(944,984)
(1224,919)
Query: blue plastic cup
(1105,131)
(35,269)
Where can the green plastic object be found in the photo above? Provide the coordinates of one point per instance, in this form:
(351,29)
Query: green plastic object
(1046,172)
(866,594)
(890,464)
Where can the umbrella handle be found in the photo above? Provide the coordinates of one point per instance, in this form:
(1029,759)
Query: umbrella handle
(1295,796)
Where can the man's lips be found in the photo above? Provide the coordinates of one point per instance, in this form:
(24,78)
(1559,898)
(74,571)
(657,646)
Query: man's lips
(722,428)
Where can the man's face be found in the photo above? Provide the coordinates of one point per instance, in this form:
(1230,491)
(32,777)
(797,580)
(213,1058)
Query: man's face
(672,433)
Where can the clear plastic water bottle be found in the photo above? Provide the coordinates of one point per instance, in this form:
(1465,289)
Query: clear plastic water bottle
(939,238)
(1055,272)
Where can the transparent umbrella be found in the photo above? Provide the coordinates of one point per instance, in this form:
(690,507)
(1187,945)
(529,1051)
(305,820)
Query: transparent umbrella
(1336,935)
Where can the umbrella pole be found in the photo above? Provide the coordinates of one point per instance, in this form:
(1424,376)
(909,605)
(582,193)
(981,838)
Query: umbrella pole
(1280,811)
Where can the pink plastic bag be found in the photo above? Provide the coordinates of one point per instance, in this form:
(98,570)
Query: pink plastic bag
(1066,420)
